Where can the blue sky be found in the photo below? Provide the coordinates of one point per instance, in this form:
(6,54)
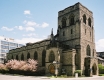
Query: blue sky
(32,20)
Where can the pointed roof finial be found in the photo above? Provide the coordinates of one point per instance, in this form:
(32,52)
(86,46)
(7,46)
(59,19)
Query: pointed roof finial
(52,31)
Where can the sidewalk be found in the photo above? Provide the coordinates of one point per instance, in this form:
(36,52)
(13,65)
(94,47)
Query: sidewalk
(11,77)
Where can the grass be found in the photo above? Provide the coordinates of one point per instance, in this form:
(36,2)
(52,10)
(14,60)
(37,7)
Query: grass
(101,74)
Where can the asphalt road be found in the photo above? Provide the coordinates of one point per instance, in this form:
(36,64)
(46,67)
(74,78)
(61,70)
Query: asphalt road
(10,77)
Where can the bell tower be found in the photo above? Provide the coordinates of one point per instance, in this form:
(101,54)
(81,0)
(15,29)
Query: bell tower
(76,29)
(69,25)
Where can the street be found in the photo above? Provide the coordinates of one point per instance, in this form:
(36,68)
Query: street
(10,77)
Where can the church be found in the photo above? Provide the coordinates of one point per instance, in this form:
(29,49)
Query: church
(71,49)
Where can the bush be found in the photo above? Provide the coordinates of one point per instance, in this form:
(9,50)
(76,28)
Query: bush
(101,69)
(29,68)
(78,71)
(19,67)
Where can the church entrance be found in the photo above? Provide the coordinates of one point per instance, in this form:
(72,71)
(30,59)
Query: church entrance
(94,69)
(51,69)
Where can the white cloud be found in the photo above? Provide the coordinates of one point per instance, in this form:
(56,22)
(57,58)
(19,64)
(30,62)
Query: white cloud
(27,12)
(31,23)
(45,24)
(100,45)
(24,22)
(27,40)
(30,35)
(7,29)
(25,28)
(19,27)
(30,29)
(34,24)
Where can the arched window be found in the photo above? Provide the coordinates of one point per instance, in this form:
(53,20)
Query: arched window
(43,57)
(75,59)
(35,55)
(63,33)
(71,18)
(63,22)
(88,50)
(28,55)
(85,31)
(12,57)
(22,57)
(51,57)
(90,34)
(71,31)
(89,22)
(93,52)
(16,57)
(84,18)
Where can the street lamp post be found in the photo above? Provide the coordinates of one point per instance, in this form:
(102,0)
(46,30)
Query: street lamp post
(56,67)
(57,62)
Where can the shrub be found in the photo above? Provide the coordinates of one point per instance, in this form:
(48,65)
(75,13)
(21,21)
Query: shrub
(30,65)
(18,67)
(101,69)
(3,68)
(79,72)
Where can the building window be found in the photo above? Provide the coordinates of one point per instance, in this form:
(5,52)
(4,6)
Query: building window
(71,20)
(89,22)
(22,57)
(75,59)
(63,33)
(90,34)
(84,18)
(88,50)
(12,57)
(93,52)
(16,57)
(4,47)
(71,31)
(43,57)
(85,31)
(63,22)
(35,55)
(4,42)
(28,55)
(51,57)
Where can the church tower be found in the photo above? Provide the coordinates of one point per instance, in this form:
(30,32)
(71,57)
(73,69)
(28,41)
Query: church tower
(76,29)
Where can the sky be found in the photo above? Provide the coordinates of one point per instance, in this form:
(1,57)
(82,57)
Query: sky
(32,20)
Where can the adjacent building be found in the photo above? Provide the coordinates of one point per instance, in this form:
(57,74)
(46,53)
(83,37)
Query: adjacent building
(7,44)
(100,56)
(72,48)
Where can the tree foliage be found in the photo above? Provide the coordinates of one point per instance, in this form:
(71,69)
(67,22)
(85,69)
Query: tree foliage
(101,69)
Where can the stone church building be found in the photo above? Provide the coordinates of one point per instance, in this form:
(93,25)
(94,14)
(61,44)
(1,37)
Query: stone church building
(73,47)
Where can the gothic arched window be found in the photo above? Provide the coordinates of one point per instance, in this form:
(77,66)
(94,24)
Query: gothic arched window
(93,52)
(43,57)
(84,18)
(71,31)
(35,55)
(22,57)
(63,33)
(16,57)
(71,18)
(28,55)
(88,50)
(89,22)
(12,57)
(51,57)
(63,22)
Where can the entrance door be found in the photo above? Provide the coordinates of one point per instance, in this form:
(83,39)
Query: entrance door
(94,69)
(51,69)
